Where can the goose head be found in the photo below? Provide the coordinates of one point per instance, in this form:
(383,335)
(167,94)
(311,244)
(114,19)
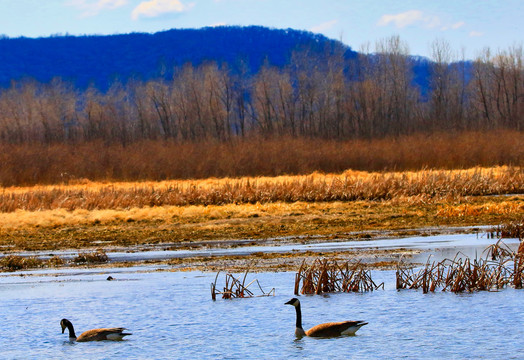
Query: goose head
(64,323)
(295,302)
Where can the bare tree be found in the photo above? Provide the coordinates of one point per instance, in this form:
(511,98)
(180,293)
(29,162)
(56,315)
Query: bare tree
(159,95)
(448,89)
(499,87)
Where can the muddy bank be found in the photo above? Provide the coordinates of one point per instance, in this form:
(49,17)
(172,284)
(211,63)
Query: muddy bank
(377,249)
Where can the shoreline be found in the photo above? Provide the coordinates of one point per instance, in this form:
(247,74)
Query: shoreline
(381,251)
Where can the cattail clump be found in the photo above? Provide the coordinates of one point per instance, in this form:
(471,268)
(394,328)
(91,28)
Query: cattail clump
(324,276)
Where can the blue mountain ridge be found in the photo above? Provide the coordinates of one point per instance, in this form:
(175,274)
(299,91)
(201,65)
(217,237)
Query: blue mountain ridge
(99,60)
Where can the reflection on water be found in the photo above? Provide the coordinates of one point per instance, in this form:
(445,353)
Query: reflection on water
(298,344)
(171,315)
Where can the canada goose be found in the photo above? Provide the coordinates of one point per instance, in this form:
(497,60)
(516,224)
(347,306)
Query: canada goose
(95,334)
(331,329)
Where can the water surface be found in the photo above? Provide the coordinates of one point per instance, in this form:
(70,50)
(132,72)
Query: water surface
(172,316)
(438,246)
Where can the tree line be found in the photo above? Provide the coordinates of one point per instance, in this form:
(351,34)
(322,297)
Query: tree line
(314,96)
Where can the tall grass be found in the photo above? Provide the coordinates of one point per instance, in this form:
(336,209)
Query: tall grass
(31,164)
(499,268)
(425,185)
(325,276)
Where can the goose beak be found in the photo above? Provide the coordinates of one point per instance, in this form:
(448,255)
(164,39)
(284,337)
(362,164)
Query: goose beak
(290,302)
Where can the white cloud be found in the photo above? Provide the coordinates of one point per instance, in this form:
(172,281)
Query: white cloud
(401,20)
(475,33)
(454,26)
(93,7)
(154,8)
(324,26)
(409,18)
(458,25)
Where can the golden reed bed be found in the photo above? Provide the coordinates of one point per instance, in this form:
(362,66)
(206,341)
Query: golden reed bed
(316,187)
(303,198)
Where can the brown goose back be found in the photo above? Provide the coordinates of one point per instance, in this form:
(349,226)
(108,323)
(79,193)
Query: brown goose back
(333,329)
(102,334)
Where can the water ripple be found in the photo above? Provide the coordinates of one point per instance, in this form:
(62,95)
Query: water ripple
(171,315)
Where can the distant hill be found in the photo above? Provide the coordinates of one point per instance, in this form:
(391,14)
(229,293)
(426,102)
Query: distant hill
(99,60)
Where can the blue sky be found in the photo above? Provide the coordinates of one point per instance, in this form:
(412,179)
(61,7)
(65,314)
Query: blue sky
(468,24)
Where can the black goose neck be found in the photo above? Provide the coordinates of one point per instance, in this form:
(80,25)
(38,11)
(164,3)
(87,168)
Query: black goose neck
(299,316)
(71,330)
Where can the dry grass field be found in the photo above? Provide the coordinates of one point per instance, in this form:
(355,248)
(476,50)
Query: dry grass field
(424,186)
(90,215)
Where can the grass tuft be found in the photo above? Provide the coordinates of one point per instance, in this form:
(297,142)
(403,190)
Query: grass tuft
(95,257)
(458,275)
(325,276)
(16,262)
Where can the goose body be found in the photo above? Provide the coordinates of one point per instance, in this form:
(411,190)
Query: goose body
(94,334)
(331,329)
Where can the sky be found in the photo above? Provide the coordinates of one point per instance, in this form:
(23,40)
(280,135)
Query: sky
(469,26)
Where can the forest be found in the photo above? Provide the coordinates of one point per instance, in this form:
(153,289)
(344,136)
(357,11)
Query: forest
(272,120)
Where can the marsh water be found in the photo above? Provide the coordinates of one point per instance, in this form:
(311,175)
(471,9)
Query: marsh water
(172,316)
(438,246)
